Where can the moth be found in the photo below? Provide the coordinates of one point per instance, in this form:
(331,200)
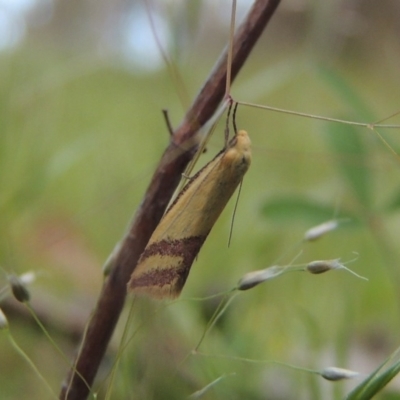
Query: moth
(165,264)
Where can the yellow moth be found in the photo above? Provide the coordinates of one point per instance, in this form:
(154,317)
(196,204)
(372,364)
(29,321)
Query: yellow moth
(165,263)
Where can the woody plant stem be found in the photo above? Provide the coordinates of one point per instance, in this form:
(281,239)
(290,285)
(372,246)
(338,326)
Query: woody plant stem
(159,192)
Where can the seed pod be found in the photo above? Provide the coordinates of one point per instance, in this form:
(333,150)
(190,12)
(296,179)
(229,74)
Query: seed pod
(321,266)
(317,231)
(3,320)
(337,374)
(18,289)
(254,278)
(27,278)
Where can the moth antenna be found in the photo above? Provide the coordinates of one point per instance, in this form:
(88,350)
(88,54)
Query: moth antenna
(234,118)
(234,212)
(168,122)
(227,124)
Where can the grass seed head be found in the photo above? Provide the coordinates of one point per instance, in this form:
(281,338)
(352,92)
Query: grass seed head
(18,289)
(321,266)
(28,277)
(254,278)
(3,320)
(337,374)
(317,231)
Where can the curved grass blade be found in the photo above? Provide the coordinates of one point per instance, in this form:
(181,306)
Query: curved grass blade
(376,381)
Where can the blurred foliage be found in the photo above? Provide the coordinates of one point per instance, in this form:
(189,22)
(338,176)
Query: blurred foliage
(81,132)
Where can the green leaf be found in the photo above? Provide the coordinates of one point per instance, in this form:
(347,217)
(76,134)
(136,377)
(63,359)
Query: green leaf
(287,209)
(352,157)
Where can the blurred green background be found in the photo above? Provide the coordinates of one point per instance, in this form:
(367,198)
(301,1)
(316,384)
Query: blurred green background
(82,88)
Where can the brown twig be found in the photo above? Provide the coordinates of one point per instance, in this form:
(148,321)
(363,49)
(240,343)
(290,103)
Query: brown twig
(162,186)
(168,122)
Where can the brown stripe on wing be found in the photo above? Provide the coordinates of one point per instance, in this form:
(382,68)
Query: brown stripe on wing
(181,252)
